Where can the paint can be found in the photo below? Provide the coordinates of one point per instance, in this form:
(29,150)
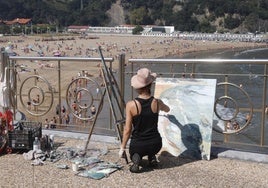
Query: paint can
(75,166)
(51,141)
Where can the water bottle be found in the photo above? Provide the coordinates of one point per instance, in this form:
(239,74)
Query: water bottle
(51,141)
(36,144)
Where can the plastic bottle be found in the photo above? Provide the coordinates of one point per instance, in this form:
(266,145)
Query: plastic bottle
(36,144)
(51,141)
(75,166)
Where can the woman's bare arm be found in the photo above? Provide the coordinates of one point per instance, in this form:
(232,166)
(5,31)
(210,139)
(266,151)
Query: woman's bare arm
(128,125)
(162,106)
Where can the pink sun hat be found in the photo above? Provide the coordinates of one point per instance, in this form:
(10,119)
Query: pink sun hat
(143,78)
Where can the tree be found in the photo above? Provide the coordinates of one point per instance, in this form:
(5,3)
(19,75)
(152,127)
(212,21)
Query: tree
(184,15)
(252,22)
(231,23)
(137,30)
(4,29)
(183,21)
(137,16)
(205,27)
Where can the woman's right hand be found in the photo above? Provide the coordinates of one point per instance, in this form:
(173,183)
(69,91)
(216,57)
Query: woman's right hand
(121,152)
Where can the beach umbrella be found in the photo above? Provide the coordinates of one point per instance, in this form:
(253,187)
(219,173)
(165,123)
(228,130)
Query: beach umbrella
(56,53)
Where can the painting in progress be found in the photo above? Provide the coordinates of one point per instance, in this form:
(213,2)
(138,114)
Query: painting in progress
(186,129)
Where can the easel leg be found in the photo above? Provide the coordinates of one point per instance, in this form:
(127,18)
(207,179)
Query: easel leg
(94,122)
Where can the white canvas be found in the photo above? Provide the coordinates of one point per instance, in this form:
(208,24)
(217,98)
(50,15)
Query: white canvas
(186,130)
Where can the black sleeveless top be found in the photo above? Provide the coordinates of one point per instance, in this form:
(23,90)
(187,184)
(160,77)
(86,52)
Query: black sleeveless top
(145,122)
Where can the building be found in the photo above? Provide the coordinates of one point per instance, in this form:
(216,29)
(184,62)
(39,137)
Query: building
(158,30)
(124,29)
(18,22)
(78,29)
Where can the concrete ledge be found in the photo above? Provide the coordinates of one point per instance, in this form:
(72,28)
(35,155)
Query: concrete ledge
(82,136)
(241,155)
(215,151)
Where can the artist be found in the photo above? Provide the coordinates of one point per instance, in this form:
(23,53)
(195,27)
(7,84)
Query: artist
(141,122)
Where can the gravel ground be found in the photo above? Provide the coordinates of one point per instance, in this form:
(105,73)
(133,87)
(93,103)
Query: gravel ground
(15,171)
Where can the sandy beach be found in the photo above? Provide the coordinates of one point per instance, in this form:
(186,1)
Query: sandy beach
(132,46)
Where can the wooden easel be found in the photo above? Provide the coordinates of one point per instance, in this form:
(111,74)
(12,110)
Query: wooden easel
(115,99)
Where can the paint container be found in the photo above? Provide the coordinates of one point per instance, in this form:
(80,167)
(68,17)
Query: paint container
(51,141)
(70,154)
(51,137)
(75,166)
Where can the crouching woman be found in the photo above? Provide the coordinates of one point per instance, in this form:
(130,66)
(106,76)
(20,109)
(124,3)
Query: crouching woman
(141,121)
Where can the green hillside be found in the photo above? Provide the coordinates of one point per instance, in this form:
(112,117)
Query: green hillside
(238,16)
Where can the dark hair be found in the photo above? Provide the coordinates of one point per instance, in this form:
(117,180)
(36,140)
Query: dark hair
(146,89)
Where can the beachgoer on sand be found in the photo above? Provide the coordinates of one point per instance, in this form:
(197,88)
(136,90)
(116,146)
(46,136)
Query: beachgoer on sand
(236,125)
(52,124)
(29,105)
(93,110)
(57,109)
(229,125)
(46,124)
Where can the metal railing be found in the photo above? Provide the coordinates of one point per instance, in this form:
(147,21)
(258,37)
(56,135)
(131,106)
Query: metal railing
(241,93)
(42,97)
(242,83)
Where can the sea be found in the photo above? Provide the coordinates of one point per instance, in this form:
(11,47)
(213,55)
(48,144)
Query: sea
(254,133)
